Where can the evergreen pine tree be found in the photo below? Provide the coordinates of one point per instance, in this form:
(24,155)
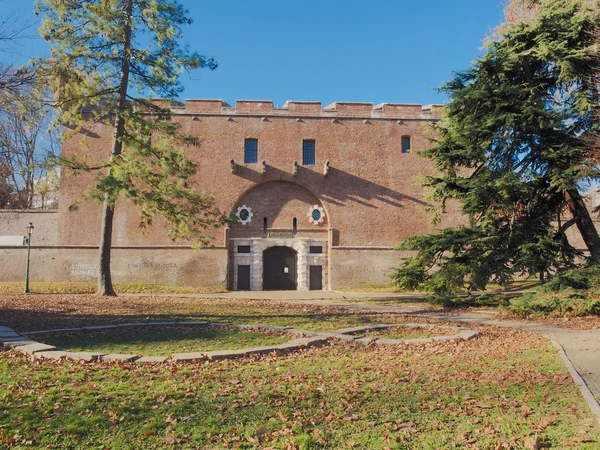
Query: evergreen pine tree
(518,141)
(106,56)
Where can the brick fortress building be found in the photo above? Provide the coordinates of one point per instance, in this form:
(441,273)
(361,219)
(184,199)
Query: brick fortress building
(322,196)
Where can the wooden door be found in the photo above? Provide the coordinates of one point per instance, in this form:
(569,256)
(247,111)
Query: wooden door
(243,282)
(316,278)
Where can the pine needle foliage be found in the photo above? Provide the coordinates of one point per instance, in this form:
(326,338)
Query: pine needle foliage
(107,58)
(513,148)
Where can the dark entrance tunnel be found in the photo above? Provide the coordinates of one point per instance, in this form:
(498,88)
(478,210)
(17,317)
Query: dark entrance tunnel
(280,269)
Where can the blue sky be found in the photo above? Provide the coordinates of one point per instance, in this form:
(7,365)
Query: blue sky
(327,50)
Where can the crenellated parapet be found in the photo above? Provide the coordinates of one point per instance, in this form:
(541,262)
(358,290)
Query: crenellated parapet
(265,108)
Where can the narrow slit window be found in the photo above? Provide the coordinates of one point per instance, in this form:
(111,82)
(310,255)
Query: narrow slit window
(295,224)
(405,144)
(251,151)
(265,223)
(308,152)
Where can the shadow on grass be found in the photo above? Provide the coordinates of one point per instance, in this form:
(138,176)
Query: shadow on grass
(157,340)
(28,320)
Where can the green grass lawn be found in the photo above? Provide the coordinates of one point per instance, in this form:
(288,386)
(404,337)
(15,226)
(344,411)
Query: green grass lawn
(504,389)
(410,333)
(162,341)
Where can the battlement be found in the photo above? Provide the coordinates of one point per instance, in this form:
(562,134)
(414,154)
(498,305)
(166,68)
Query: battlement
(363,110)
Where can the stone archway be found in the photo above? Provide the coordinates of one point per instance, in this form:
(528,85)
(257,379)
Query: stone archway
(280,269)
(279,202)
(278,214)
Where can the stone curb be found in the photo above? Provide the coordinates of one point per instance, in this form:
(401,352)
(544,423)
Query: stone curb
(152,359)
(30,349)
(365,340)
(119,357)
(51,354)
(386,341)
(84,356)
(17,341)
(418,341)
(583,387)
(462,333)
(361,328)
(58,330)
(9,338)
(192,356)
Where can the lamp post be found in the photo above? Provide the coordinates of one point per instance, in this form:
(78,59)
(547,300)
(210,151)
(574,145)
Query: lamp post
(29,232)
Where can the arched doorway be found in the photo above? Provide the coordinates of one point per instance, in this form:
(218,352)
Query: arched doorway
(279,269)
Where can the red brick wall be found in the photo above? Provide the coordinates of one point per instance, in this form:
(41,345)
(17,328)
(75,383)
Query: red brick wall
(372,193)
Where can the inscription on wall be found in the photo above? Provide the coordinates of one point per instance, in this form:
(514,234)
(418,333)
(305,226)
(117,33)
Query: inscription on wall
(152,265)
(84,270)
(281,234)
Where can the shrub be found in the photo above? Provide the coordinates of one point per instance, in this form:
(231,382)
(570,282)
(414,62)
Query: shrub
(567,302)
(576,279)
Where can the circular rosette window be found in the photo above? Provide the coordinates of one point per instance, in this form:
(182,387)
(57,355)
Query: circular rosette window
(244,213)
(316,215)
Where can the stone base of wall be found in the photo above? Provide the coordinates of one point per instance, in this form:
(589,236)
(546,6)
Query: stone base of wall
(166,266)
(358,267)
(348,268)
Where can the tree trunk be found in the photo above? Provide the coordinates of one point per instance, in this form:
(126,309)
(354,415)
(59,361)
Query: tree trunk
(105,286)
(584,223)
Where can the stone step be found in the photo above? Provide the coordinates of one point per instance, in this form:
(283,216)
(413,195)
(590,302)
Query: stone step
(30,349)
(191,356)
(84,356)
(52,354)
(151,359)
(18,342)
(122,357)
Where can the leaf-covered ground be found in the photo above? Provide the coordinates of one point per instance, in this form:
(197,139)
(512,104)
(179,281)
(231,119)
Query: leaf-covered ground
(162,341)
(43,312)
(410,333)
(503,389)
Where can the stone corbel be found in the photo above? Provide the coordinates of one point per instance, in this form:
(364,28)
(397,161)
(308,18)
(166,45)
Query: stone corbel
(264,167)
(295,168)
(326,168)
(233,165)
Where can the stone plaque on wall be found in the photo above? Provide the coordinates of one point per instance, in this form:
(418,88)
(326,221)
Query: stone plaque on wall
(281,234)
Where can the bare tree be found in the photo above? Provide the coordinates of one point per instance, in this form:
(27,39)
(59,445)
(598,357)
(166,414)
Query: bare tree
(6,190)
(24,121)
(12,76)
(26,140)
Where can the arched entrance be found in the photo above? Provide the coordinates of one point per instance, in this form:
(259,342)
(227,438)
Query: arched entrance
(279,269)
